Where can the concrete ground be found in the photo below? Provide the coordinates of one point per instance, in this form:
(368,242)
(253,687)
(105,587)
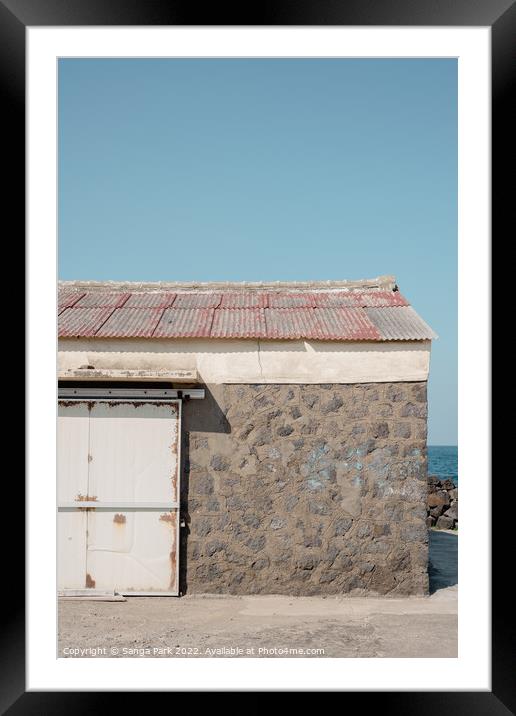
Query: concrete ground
(272,626)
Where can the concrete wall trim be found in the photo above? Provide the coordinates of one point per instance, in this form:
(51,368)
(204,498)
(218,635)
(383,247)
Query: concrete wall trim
(254,361)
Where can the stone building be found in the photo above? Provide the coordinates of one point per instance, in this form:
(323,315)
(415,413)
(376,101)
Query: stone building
(242,438)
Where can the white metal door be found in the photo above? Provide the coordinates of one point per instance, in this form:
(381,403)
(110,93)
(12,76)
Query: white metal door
(130,500)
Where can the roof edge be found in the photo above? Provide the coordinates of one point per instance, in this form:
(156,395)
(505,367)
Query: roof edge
(385,283)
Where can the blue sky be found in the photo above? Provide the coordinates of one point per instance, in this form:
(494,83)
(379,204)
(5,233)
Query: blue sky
(274,169)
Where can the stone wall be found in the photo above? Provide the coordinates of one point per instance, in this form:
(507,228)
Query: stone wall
(305,489)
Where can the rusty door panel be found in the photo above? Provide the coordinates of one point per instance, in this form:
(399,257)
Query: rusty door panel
(131,551)
(131,456)
(133,449)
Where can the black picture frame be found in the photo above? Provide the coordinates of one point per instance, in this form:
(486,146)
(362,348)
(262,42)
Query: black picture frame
(500,16)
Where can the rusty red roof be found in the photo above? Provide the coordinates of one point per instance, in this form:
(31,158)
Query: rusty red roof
(130,323)
(185,323)
(239,323)
(347,311)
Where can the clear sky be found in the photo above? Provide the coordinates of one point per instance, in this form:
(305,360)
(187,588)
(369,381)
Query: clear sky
(267,169)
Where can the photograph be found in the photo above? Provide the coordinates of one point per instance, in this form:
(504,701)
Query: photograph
(257,383)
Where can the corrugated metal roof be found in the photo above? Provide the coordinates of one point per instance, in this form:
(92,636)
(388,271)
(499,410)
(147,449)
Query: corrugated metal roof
(335,298)
(197,300)
(68,298)
(382,298)
(96,299)
(289,323)
(239,323)
(286,299)
(344,323)
(244,299)
(150,299)
(317,313)
(359,299)
(185,323)
(131,323)
(401,323)
(82,322)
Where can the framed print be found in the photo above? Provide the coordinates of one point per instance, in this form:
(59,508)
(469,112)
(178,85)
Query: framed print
(239,457)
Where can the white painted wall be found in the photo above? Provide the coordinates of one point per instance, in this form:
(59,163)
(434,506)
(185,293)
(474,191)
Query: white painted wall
(255,361)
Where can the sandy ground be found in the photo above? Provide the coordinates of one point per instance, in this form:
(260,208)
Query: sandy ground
(272,626)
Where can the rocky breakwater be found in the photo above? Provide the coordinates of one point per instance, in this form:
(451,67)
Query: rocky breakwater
(442,504)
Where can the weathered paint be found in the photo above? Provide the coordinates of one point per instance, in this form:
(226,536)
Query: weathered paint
(135,462)
(253,361)
(112,374)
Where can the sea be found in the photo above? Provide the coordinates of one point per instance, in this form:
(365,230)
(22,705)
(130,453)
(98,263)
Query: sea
(443,462)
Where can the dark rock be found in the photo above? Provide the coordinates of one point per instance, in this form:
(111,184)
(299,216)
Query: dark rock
(342,525)
(256,543)
(203,484)
(251,520)
(305,562)
(402,430)
(395,393)
(364,529)
(310,399)
(444,523)
(332,406)
(410,410)
(236,503)
(244,434)
(380,430)
(260,564)
(384,410)
(319,508)
(264,437)
(214,547)
(277,523)
(438,498)
(208,571)
(453,512)
(219,463)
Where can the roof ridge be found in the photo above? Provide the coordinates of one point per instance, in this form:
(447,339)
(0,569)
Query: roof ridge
(385,283)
